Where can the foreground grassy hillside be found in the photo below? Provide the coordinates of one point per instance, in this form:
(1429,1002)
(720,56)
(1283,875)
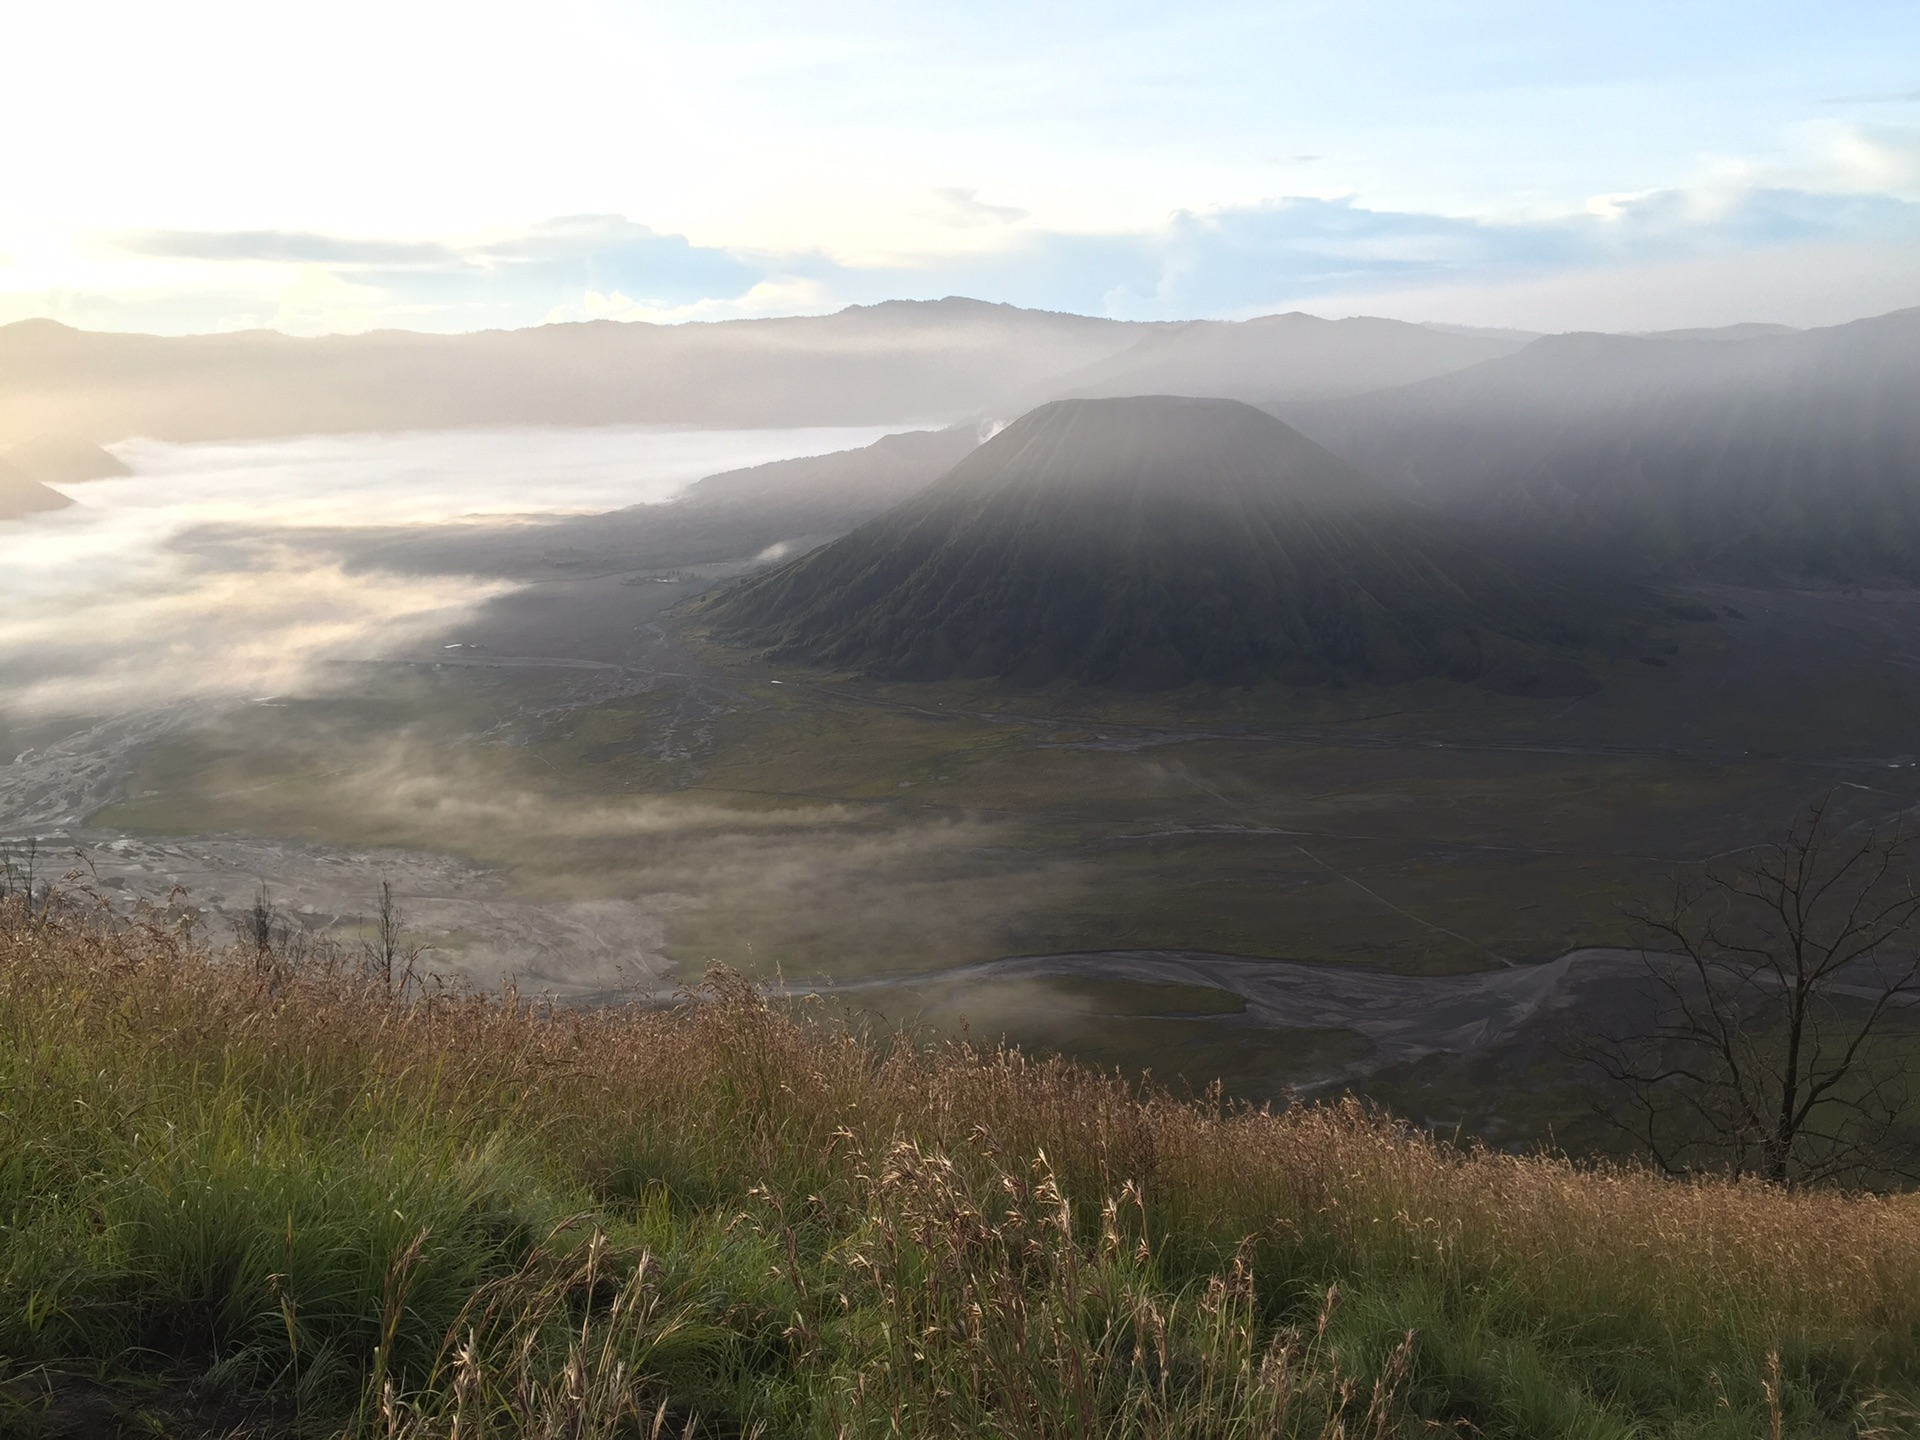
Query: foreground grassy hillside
(239,1195)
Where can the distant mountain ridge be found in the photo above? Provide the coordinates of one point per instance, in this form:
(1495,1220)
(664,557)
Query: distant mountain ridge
(1748,454)
(901,362)
(1146,542)
(865,365)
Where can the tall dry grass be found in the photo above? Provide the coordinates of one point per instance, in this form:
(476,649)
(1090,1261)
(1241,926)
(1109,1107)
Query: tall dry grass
(271,1188)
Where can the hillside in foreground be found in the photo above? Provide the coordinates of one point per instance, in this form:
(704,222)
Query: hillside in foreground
(256,1195)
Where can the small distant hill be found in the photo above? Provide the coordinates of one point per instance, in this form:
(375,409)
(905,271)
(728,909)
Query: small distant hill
(63,460)
(21,494)
(847,482)
(1147,542)
(1751,453)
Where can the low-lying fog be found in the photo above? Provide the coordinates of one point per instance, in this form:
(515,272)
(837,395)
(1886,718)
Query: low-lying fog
(107,606)
(169,603)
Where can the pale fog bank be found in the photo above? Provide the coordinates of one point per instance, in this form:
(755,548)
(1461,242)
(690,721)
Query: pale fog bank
(107,606)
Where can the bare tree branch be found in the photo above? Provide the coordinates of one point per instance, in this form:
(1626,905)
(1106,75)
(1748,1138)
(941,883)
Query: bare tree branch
(1780,985)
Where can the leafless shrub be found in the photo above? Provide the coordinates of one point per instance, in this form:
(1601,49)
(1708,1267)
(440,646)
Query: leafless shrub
(1782,984)
(387,959)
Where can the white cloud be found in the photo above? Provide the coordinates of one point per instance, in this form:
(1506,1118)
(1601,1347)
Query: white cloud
(1803,285)
(784,296)
(1875,159)
(964,210)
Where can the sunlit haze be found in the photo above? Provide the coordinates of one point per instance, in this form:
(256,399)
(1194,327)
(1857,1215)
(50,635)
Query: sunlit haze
(222,166)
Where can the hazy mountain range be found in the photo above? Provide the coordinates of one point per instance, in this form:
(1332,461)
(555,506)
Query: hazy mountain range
(896,363)
(1750,453)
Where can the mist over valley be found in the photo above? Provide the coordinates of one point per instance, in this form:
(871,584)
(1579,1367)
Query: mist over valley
(1410,670)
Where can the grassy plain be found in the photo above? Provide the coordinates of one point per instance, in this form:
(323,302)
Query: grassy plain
(1320,838)
(799,825)
(817,835)
(250,1199)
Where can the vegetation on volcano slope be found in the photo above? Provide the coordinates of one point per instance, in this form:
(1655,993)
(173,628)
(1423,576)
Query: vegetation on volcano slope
(243,1196)
(1149,542)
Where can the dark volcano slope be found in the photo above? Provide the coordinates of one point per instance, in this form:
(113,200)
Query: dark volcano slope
(1145,543)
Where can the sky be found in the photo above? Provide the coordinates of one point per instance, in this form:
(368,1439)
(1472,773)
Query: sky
(207,165)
